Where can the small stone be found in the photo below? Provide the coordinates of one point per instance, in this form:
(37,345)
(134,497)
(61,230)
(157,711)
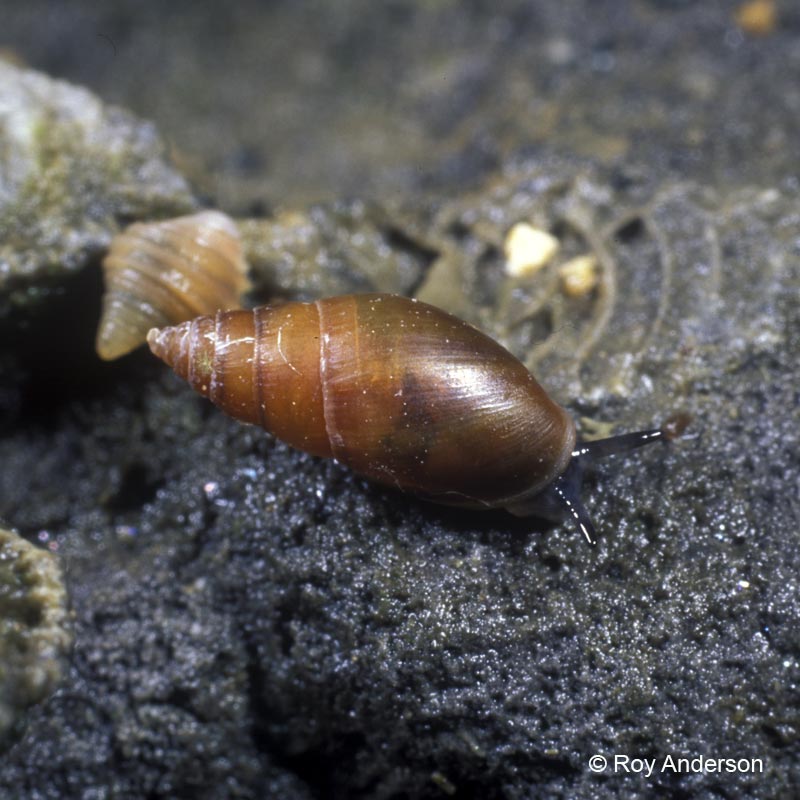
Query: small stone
(757,17)
(578,275)
(528,249)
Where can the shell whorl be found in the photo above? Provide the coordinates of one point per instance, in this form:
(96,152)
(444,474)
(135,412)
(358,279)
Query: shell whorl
(260,366)
(163,273)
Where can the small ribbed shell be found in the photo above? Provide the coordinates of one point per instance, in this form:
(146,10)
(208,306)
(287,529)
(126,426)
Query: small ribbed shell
(163,273)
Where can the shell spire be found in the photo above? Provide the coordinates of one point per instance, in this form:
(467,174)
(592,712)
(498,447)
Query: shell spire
(172,346)
(163,273)
(189,349)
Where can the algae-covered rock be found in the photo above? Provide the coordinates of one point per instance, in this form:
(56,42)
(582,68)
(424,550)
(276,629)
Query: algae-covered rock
(33,629)
(71,170)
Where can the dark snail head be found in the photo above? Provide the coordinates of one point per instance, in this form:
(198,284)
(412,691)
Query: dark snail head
(562,496)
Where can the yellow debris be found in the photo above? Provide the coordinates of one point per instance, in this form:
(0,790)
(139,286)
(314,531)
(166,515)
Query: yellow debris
(757,17)
(528,249)
(578,275)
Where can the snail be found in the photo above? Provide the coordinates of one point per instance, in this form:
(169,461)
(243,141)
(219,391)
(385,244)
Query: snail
(162,273)
(401,392)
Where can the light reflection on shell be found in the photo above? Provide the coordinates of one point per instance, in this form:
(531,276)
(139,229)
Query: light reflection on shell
(162,273)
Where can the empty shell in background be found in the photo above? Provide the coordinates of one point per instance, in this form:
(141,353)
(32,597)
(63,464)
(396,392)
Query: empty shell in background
(163,273)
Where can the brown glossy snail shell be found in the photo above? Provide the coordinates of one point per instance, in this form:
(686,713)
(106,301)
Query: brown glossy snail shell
(398,390)
(162,273)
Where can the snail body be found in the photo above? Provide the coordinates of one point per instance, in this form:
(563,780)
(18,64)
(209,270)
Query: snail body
(162,273)
(400,391)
